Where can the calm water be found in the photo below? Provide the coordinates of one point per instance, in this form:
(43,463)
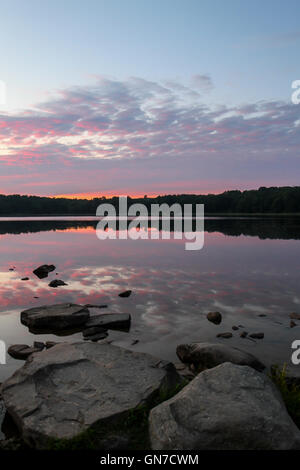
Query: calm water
(247,267)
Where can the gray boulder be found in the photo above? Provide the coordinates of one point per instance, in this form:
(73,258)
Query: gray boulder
(229,407)
(207,355)
(63,391)
(57,316)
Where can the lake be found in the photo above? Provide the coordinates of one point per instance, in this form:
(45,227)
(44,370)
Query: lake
(248,267)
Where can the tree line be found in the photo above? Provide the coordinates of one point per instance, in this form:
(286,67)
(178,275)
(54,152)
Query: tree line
(274,200)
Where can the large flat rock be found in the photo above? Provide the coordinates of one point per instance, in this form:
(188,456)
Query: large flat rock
(64,390)
(58,316)
(207,355)
(229,407)
(110,321)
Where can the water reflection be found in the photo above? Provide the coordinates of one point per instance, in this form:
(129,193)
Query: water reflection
(247,267)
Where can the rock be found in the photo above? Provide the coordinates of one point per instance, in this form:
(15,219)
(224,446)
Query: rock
(127,293)
(93,330)
(229,407)
(21,351)
(225,335)
(97,336)
(71,387)
(39,345)
(42,271)
(57,283)
(257,335)
(94,333)
(207,355)
(12,444)
(95,306)
(25,279)
(295,316)
(115,442)
(110,321)
(243,334)
(235,328)
(50,344)
(135,341)
(214,317)
(292,324)
(58,316)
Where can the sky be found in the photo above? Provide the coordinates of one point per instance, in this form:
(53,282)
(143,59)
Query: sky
(148,96)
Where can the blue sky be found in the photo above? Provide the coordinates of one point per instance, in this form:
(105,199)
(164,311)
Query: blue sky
(249,49)
(198,62)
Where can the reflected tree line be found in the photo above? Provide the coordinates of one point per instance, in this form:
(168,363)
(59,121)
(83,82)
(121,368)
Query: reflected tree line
(263,227)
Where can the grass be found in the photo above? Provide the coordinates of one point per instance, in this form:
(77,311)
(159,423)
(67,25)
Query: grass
(290,392)
(131,426)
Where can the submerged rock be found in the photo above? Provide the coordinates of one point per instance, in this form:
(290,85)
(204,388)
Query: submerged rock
(225,335)
(244,334)
(42,271)
(110,321)
(94,333)
(207,355)
(214,317)
(69,388)
(257,335)
(58,316)
(229,407)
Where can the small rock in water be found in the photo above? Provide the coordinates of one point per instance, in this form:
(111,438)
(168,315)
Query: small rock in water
(292,324)
(136,341)
(295,316)
(39,345)
(243,334)
(224,335)
(42,271)
(57,283)
(25,279)
(257,335)
(262,315)
(126,293)
(235,328)
(214,317)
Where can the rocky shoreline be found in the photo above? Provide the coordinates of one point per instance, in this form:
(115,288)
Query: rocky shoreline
(92,394)
(100,396)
